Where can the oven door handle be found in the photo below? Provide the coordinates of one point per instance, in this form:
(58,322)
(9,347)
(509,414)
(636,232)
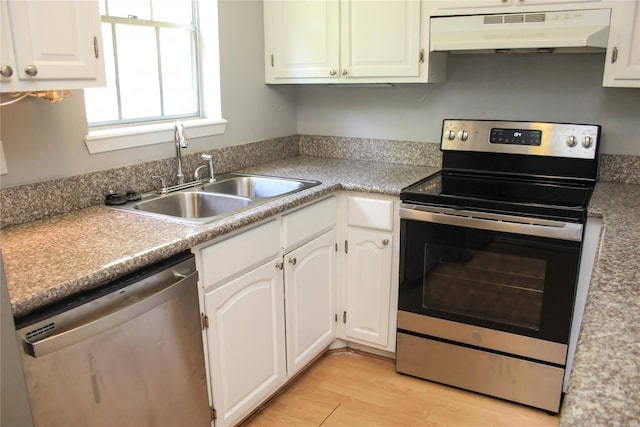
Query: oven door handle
(494,222)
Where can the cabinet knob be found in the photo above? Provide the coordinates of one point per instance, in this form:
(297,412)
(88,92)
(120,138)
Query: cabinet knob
(279,265)
(6,71)
(345,72)
(333,72)
(31,70)
(293,261)
(385,242)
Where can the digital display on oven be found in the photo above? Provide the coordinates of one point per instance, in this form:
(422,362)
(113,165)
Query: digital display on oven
(515,136)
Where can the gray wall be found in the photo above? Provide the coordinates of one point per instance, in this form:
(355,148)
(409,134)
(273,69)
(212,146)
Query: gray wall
(44,141)
(543,87)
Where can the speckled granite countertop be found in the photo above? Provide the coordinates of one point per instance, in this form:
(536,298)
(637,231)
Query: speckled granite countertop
(47,260)
(604,389)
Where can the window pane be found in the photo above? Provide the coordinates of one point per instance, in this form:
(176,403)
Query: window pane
(177,11)
(102,102)
(126,8)
(178,72)
(138,63)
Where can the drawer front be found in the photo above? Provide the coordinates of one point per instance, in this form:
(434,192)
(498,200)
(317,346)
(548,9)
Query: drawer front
(370,213)
(308,222)
(239,253)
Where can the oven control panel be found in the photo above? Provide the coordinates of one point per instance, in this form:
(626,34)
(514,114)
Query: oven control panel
(531,138)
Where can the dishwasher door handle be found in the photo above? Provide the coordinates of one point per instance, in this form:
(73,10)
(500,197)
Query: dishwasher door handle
(92,328)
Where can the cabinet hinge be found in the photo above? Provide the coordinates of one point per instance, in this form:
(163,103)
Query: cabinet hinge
(204,321)
(346,246)
(421,56)
(614,55)
(214,414)
(272,59)
(96,52)
(344,317)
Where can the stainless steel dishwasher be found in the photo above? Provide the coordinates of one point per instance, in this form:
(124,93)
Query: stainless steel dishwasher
(127,354)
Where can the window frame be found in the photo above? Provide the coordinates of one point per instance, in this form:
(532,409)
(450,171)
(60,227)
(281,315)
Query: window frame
(101,139)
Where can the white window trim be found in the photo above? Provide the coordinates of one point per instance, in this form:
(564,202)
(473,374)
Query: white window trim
(212,123)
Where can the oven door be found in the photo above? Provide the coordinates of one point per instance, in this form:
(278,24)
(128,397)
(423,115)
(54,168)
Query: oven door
(499,272)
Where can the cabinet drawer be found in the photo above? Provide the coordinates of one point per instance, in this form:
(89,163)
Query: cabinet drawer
(370,213)
(307,222)
(239,253)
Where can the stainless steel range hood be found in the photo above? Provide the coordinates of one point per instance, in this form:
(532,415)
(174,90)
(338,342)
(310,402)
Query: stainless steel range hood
(558,31)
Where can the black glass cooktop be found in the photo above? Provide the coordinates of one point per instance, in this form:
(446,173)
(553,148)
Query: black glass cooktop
(502,193)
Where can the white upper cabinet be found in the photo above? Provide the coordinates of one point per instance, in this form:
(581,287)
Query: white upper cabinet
(304,38)
(348,41)
(50,45)
(622,66)
(380,39)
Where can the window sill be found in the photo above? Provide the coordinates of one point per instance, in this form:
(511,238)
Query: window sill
(100,141)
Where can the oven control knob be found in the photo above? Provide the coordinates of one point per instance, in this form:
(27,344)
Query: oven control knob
(572,140)
(450,134)
(587,141)
(463,135)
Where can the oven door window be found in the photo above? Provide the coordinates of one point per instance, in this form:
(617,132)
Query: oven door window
(504,281)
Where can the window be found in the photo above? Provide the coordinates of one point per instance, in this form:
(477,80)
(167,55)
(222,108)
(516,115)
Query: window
(153,63)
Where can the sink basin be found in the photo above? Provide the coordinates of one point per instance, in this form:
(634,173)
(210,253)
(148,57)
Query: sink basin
(203,203)
(255,187)
(193,205)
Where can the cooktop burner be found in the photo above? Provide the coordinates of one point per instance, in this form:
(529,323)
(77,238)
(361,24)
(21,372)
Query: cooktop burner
(540,197)
(523,168)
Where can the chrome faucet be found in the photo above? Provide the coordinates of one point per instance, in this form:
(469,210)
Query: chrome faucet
(181,142)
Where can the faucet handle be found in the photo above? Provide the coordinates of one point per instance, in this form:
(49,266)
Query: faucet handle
(209,158)
(163,183)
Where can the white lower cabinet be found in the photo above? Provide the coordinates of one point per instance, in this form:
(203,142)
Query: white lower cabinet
(274,296)
(369,271)
(253,281)
(368,286)
(310,295)
(246,342)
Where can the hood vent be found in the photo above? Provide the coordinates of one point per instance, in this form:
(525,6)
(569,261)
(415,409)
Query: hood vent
(560,31)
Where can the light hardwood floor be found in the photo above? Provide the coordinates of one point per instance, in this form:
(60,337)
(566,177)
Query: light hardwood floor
(355,389)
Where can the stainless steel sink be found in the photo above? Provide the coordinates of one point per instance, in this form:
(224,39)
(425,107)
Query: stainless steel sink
(193,204)
(255,187)
(203,203)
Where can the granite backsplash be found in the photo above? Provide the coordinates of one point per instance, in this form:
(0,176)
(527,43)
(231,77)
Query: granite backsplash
(30,202)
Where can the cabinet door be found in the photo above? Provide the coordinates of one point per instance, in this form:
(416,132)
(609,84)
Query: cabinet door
(369,259)
(245,342)
(7,60)
(56,40)
(310,295)
(302,38)
(380,38)
(622,67)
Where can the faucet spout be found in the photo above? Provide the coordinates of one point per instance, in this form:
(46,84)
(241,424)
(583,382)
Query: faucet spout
(181,142)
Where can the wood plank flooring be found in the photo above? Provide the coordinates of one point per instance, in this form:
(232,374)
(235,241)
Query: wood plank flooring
(354,389)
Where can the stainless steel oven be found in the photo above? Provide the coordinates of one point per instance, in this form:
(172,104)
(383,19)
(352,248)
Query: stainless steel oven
(489,258)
